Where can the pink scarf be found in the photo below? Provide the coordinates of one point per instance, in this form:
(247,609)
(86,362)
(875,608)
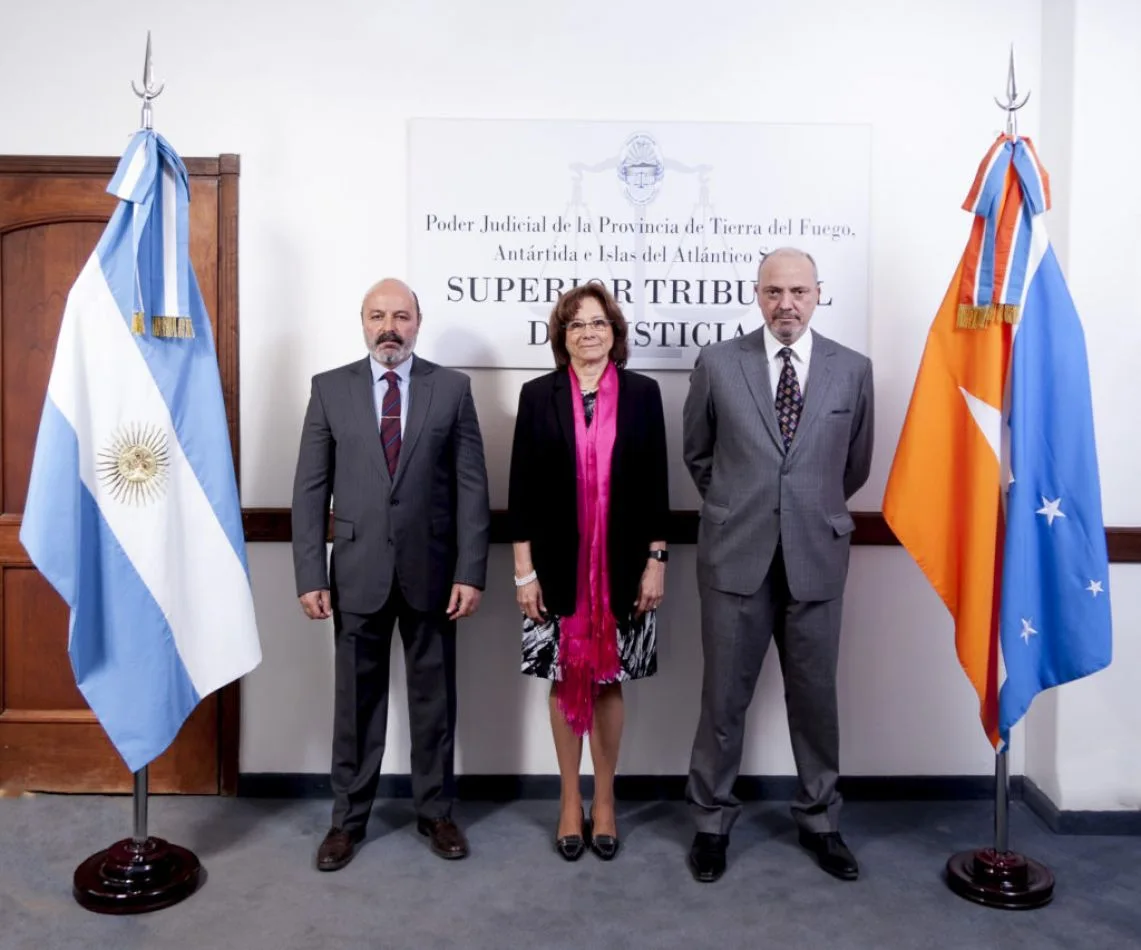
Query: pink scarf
(588,639)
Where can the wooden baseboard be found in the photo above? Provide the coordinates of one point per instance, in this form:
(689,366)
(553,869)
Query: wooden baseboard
(273,525)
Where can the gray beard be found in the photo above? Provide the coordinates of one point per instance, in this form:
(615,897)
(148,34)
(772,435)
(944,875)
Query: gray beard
(792,334)
(392,358)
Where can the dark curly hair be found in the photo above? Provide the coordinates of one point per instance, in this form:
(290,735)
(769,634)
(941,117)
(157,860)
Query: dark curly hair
(568,306)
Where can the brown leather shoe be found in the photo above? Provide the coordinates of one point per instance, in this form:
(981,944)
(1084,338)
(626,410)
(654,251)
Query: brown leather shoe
(444,836)
(337,849)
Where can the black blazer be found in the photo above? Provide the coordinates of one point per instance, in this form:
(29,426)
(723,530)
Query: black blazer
(542,500)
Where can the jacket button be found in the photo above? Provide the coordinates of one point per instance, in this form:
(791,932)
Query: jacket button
(395,501)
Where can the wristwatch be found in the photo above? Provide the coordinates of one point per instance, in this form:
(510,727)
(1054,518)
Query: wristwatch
(659,555)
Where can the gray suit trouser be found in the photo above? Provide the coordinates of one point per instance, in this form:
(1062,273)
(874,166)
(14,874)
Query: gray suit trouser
(360,716)
(735,634)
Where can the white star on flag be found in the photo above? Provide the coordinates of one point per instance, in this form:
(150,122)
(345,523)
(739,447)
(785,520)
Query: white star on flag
(1051,510)
(1027,631)
(1095,588)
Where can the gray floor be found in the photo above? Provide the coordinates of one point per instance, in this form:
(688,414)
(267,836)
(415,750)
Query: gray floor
(262,892)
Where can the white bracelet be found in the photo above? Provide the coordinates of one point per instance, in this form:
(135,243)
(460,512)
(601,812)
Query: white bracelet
(526,579)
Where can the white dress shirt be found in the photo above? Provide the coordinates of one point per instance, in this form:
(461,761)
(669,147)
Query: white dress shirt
(801,357)
(380,388)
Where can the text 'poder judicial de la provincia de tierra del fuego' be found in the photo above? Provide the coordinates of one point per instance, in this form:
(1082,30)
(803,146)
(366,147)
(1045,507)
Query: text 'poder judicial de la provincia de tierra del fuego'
(597,241)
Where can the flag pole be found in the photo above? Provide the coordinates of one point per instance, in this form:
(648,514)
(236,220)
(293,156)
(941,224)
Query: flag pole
(999,877)
(140,873)
(140,835)
(1001,803)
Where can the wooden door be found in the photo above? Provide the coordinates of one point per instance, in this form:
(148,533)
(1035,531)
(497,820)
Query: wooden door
(52,213)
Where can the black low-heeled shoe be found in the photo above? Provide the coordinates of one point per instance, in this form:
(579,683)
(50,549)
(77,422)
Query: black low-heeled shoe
(572,847)
(605,846)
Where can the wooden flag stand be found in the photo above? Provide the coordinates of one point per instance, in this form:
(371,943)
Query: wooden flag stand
(137,874)
(999,877)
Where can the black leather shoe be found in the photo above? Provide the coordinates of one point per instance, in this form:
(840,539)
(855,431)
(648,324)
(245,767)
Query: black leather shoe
(337,849)
(605,846)
(444,837)
(831,854)
(707,856)
(573,847)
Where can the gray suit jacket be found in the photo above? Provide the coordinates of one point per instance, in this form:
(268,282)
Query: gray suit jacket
(754,493)
(430,522)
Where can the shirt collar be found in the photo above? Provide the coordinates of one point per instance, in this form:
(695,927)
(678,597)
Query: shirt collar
(801,349)
(403,371)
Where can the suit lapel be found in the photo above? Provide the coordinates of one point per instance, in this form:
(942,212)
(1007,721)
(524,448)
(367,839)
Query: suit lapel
(816,395)
(420,400)
(755,368)
(364,407)
(564,411)
(623,423)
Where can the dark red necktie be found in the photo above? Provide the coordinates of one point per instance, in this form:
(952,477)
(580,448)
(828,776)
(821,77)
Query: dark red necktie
(390,421)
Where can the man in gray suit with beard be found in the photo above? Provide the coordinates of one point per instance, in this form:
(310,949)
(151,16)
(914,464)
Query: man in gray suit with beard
(777,436)
(395,441)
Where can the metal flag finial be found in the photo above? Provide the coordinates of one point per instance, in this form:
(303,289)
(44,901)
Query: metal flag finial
(1012,104)
(149,91)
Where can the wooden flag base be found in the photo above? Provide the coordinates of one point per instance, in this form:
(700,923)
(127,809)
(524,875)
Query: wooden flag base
(1002,879)
(999,877)
(133,877)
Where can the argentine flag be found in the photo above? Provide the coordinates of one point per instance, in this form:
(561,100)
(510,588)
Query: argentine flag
(132,511)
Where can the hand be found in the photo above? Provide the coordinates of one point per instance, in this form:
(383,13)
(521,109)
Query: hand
(529,597)
(464,601)
(652,588)
(317,605)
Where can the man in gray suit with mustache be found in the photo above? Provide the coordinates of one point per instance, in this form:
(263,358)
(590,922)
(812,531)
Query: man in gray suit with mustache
(394,439)
(778,431)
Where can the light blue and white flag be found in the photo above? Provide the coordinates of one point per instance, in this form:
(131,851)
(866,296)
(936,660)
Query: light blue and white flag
(132,511)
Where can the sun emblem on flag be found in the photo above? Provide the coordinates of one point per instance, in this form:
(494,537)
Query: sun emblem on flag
(134,464)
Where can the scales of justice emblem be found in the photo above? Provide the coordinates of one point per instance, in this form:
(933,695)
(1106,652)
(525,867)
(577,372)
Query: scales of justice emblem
(643,171)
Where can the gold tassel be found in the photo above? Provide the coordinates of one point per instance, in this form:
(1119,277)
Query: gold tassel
(1009,312)
(173,328)
(972,317)
(138,323)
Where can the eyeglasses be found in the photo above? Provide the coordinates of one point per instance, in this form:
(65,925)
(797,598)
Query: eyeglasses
(598,324)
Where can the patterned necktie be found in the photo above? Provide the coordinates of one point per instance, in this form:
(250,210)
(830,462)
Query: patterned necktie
(789,401)
(390,421)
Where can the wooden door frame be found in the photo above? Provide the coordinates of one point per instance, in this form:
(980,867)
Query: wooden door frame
(225,168)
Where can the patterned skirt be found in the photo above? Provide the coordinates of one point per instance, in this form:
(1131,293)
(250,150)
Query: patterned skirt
(637,647)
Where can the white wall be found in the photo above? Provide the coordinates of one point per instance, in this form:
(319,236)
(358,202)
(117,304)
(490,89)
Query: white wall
(1083,739)
(315,97)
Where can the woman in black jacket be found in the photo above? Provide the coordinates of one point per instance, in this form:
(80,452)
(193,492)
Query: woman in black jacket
(588,504)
